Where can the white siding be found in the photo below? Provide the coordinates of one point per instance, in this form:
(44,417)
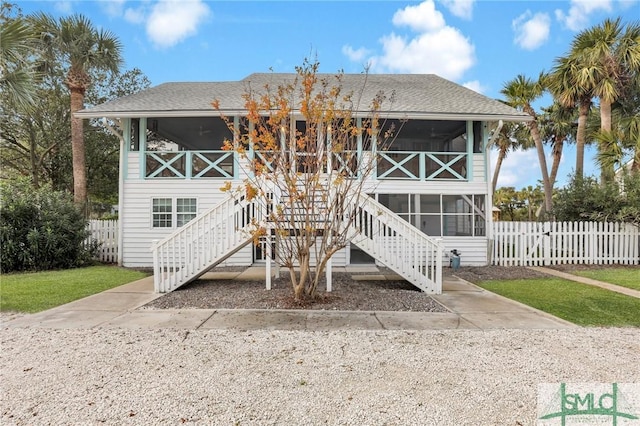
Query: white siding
(135,215)
(133,165)
(473,250)
(138,234)
(479,174)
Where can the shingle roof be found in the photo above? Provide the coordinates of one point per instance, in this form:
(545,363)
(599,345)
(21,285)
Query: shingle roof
(410,95)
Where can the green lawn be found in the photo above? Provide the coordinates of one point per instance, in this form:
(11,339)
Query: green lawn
(625,277)
(578,303)
(34,292)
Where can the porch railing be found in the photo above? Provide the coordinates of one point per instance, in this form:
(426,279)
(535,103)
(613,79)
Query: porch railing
(190,164)
(410,165)
(422,165)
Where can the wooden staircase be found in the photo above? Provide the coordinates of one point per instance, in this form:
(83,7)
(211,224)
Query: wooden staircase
(203,243)
(217,234)
(397,244)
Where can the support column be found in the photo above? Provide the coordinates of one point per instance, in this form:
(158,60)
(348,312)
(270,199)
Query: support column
(328,270)
(268,261)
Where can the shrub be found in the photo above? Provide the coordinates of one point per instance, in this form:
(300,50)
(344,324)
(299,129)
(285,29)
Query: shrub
(40,229)
(586,199)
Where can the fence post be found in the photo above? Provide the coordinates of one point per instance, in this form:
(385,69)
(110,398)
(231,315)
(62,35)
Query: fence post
(104,232)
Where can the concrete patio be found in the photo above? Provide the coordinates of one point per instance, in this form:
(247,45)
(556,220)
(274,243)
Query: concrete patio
(469,307)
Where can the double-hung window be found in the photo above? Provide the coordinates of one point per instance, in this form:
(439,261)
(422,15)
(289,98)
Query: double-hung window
(186,210)
(170,212)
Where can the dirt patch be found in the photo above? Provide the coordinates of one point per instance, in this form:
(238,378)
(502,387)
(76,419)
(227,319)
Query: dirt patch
(347,295)
(475,274)
(486,273)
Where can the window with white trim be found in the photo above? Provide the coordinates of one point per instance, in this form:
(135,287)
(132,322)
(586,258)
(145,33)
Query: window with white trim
(162,217)
(186,210)
(170,212)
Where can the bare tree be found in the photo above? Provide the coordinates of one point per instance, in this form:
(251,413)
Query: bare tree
(301,143)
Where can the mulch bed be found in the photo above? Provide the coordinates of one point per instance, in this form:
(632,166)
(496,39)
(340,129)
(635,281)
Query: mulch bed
(347,295)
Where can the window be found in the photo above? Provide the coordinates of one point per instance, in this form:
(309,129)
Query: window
(186,210)
(397,203)
(165,209)
(440,215)
(162,213)
(426,135)
(478,137)
(135,135)
(187,133)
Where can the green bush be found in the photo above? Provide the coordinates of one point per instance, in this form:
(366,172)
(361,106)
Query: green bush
(585,199)
(40,229)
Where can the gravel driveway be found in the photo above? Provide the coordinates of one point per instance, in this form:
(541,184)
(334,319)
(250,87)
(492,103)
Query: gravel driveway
(150,377)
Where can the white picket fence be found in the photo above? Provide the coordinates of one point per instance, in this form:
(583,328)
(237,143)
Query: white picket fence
(106,233)
(553,243)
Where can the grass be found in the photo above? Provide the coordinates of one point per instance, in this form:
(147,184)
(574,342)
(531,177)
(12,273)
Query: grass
(625,277)
(37,291)
(578,303)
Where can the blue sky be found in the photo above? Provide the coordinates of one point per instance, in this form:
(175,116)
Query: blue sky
(478,43)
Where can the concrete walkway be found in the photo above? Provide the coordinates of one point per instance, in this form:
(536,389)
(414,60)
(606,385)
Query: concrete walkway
(584,280)
(469,306)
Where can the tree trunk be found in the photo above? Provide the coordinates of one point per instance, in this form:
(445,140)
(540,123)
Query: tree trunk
(300,287)
(584,107)
(607,171)
(535,134)
(33,158)
(557,156)
(77,149)
(494,182)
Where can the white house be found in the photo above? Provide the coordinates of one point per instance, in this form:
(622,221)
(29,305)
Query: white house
(435,175)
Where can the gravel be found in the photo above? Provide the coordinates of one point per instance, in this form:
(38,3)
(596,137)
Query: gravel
(227,377)
(347,295)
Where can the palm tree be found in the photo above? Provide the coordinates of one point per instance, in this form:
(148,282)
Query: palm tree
(17,75)
(562,83)
(608,56)
(626,115)
(557,126)
(510,138)
(82,48)
(506,199)
(532,197)
(520,93)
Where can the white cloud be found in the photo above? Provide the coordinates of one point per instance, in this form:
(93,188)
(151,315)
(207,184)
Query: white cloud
(578,16)
(519,169)
(172,21)
(433,48)
(355,55)
(64,7)
(423,17)
(112,8)
(445,52)
(460,8)
(135,16)
(532,31)
(475,86)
